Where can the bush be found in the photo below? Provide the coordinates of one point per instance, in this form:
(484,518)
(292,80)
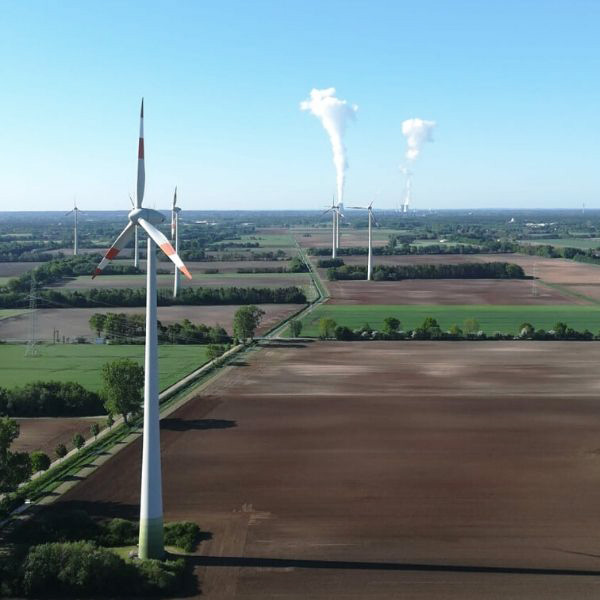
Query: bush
(119,532)
(327,263)
(40,461)
(50,399)
(183,535)
(74,569)
(157,577)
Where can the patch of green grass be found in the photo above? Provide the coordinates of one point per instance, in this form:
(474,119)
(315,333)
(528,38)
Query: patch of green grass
(264,240)
(491,318)
(6,313)
(572,242)
(4,280)
(83,363)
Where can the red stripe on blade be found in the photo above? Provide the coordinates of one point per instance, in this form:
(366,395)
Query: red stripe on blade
(112,253)
(185,272)
(167,249)
(96,272)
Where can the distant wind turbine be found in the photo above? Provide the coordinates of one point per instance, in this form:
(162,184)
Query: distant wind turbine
(370,252)
(334,209)
(75,212)
(151,536)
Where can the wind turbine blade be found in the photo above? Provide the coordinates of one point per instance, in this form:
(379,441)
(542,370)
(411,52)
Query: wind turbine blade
(131,200)
(358,207)
(164,245)
(118,245)
(67,214)
(326,211)
(175,197)
(141,174)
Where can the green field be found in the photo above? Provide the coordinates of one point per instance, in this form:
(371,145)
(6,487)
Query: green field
(573,242)
(264,240)
(83,362)
(506,319)
(5,313)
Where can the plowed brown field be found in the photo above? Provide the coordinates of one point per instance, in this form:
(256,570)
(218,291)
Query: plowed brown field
(411,470)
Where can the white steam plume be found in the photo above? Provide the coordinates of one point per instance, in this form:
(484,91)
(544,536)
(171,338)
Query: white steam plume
(417,132)
(333,114)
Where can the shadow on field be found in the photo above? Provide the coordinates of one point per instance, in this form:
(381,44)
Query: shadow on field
(286,563)
(101,509)
(195,424)
(72,478)
(237,363)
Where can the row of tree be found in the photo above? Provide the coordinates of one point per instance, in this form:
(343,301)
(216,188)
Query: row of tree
(135,297)
(490,270)
(123,327)
(431,330)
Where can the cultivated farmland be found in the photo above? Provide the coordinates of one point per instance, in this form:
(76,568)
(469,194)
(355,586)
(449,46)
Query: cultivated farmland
(74,322)
(329,471)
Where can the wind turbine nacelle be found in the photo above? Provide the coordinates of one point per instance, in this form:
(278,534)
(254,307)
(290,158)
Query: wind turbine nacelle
(148,214)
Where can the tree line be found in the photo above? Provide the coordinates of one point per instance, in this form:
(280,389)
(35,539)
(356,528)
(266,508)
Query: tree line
(431,330)
(490,270)
(136,297)
(123,327)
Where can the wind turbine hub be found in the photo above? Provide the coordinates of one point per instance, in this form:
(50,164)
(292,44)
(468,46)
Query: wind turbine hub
(148,214)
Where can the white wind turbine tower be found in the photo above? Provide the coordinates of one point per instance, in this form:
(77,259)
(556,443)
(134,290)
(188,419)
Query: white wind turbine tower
(75,212)
(175,210)
(370,252)
(151,539)
(335,219)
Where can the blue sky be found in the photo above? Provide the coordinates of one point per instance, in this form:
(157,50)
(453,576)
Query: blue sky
(513,86)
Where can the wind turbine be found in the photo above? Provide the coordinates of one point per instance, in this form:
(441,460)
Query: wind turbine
(175,210)
(339,216)
(151,538)
(75,212)
(335,214)
(371,221)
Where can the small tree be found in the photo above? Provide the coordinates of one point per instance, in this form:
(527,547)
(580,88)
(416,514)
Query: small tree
(123,382)
(15,467)
(60,451)
(429,323)
(95,430)
(78,441)
(295,327)
(560,329)
(326,328)
(471,325)
(97,321)
(526,330)
(246,320)
(391,325)
(455,330)
(110,421)
(214,351)
(40,461)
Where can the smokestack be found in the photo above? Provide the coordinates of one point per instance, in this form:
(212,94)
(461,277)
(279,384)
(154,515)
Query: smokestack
(417,132)
(333,114)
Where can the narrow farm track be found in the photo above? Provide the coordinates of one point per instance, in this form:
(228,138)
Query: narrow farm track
(171,399)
